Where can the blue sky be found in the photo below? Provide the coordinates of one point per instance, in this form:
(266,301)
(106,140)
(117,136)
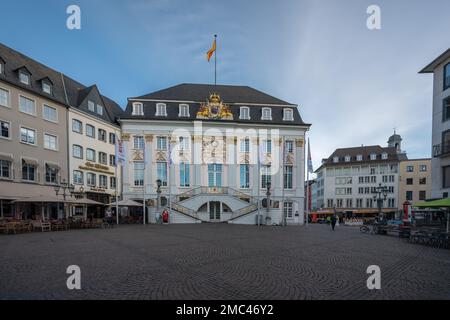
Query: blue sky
(354,85)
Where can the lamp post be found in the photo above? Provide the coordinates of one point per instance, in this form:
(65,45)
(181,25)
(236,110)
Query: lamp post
(268,185)
(64,186)
(158,195)
(380,195)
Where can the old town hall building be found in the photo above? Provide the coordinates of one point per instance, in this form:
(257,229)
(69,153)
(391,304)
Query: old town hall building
(215,153)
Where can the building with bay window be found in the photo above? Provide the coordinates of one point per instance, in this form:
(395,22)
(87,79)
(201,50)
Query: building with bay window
(215,151)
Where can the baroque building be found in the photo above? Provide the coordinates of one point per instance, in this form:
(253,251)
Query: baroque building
(215,151)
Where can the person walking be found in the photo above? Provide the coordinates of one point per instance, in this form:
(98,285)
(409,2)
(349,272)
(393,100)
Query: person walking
(333,222)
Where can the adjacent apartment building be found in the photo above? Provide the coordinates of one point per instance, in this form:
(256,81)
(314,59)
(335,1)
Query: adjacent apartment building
(440,163)
(215,151)
(43,115)
(346,181)
(414,181)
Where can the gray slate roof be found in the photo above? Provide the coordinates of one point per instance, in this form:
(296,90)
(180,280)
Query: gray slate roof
(196,94)
(365,151)
(61,84)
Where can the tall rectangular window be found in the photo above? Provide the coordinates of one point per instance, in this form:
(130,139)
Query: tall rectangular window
(90,155)
(245,145)
(161,110)
(77,151)
(447,76)
(244,176)
(91,179)
(287,209)
(214,175)
(50,142)
(267,146)
(5,169)
(50,113)
(91,106)
(288,177)
(113,183)
(51,174)
(103,181)
(446,109)
(446,177)
(161,173)
(289,145)
(77,126)
(138,142)
(138,174)
(161,143)
(409,195)
(28,172)
(5,129)
(184,143)
(265,176)
(184,175)
(4,98)
(78,177)
(102,135)
(90,131)
(27,105)
(102,158)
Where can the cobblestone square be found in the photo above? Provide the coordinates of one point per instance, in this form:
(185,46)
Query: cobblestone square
(219,261)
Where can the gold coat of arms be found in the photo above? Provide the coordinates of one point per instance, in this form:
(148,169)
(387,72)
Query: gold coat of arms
(214,109)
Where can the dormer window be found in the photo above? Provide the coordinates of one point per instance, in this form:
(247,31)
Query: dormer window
(46,88)
(91,106)
(183,110)
(373,156)
(288,115)
(266,114)
(138,109)
(347,158)
(24,77)
(161,110)
(244,113)
(384,156)
(336,159)
(99,109)
(2,66)
(359,157)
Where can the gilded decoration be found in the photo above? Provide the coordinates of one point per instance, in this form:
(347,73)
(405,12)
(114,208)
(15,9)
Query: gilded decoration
(125,137)
(161,156)
(214,109)
(148,138)
(138,155)
(299,143)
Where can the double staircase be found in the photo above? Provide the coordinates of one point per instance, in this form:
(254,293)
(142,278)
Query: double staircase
(226,191)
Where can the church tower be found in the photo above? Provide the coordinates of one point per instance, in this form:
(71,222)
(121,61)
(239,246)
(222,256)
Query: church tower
(395,141)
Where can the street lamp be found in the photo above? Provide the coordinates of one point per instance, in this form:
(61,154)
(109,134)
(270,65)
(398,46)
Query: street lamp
(158,193)
(380,195)
(268,185)
(65,187)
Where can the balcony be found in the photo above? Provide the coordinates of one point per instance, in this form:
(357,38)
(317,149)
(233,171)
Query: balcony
(441,150)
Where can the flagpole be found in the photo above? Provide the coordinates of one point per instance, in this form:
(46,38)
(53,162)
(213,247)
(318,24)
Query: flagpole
(283,178)
(143,192)
(170,176)
(215,61)
(117,178)
(307,184)
(259,180)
